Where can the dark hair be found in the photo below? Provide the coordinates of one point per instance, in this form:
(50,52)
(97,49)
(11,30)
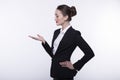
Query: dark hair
(66,10)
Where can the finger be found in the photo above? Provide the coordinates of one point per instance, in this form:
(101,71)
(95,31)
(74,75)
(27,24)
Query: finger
(33,37)
(29,36)
(69,63)
(63,64)
(38,35)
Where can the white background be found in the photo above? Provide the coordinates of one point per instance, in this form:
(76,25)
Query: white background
(22,58)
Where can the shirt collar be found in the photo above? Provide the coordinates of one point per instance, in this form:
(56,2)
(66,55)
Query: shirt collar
(63,31)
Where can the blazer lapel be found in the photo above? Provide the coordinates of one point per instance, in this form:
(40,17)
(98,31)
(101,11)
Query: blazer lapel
(55,36)
(63,39)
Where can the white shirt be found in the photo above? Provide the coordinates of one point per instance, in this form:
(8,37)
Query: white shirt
(59,38)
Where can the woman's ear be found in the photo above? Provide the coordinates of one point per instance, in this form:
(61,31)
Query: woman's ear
(66,17)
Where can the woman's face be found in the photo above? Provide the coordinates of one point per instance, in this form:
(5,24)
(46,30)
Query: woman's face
(59,18)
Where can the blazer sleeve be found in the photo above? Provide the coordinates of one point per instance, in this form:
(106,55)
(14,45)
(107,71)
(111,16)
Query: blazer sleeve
(88,53)
(47,48)
(46,45)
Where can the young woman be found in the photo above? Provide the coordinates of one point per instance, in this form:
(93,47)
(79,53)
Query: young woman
(64,42)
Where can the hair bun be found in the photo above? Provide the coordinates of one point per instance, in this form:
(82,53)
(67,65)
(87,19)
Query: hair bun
(73,11)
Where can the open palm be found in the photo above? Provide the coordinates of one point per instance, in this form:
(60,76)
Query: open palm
(39,38)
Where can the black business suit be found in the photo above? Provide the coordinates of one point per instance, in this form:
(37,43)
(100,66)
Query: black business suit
(71,39)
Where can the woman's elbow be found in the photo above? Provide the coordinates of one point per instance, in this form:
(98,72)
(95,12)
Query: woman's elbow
(92,54)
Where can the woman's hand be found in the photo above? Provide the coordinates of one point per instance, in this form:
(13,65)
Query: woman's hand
(39,38)
(67,64)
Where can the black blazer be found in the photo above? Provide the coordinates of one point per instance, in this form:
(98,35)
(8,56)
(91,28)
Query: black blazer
(71,39)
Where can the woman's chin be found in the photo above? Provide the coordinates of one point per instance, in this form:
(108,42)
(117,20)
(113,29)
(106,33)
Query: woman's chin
(57,24)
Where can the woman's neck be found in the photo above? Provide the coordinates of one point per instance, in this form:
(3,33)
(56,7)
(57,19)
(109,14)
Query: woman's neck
(64,25)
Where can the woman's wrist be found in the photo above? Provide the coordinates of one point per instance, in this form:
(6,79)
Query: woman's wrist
(43,41)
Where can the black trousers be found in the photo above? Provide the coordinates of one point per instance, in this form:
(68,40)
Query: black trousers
(63,79)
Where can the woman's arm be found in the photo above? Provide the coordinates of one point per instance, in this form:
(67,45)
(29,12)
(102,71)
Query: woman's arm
(88,53)
(47,48)
(44,44)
